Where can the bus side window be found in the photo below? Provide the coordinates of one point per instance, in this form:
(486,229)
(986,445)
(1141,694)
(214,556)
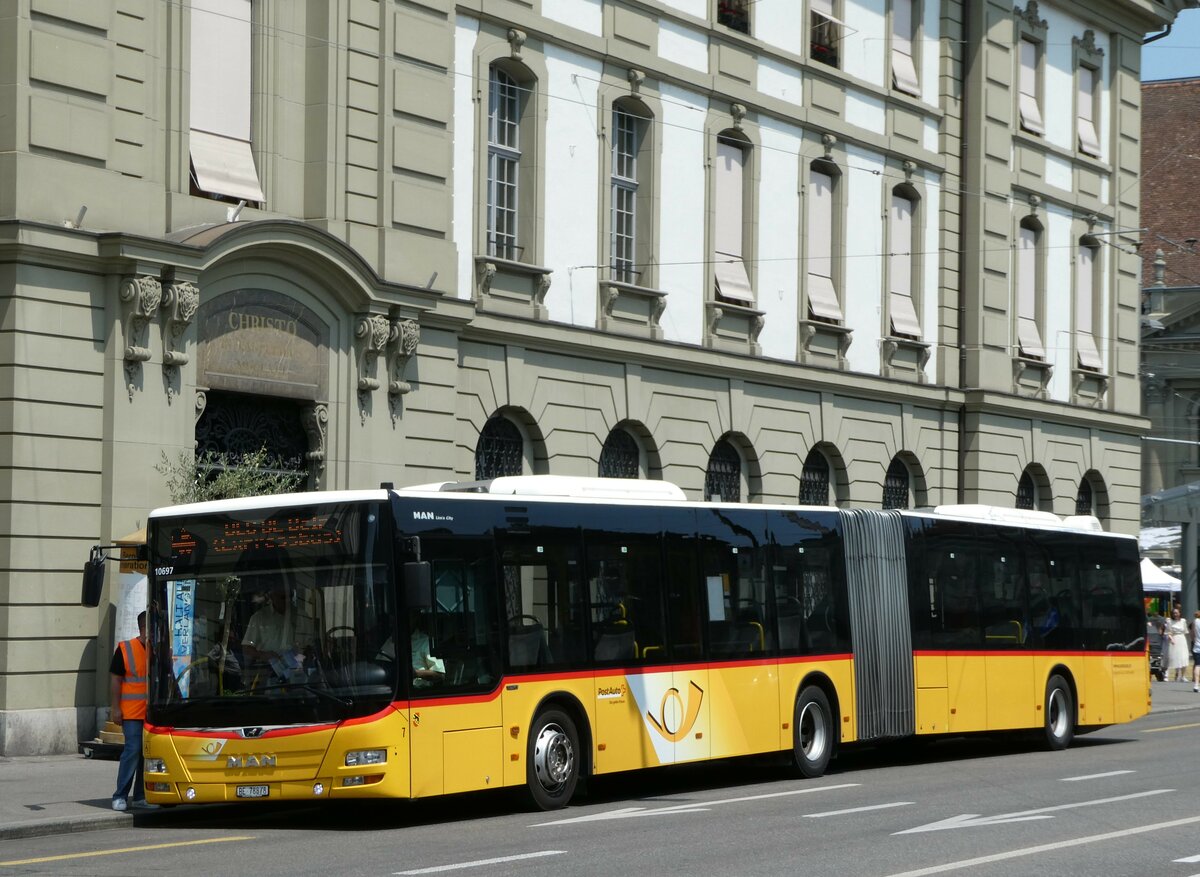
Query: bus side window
(624,574)
(544,616)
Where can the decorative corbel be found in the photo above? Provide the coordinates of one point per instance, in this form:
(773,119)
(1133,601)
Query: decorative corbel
(611,296)
(486,275)
(180,302)
(539,296)
(405,336)
(828,141)
(315,420)
(141,297)
(910,168)
(516,39)
(372,332)
(714,319)
(738,111)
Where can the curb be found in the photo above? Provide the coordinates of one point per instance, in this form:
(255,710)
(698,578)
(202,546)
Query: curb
(65,825)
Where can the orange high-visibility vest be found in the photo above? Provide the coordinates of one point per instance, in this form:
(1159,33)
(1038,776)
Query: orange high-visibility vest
(133,683)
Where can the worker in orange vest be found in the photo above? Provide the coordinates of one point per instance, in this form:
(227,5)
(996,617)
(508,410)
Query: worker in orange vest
(127,689)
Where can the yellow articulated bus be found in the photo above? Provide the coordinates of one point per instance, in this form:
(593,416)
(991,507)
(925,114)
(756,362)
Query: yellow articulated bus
(531,631)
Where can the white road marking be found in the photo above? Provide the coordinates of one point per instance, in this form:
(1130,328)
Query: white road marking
(974,820)
(1094,776)
(690,807)
(857,810)
(438,869)
(1189,860)
(1046,848)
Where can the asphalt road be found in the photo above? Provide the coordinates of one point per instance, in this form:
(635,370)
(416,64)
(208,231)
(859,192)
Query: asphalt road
(1125,801)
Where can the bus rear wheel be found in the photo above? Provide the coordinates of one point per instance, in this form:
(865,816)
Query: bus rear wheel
(552,762)
(1060,714)
(812,732)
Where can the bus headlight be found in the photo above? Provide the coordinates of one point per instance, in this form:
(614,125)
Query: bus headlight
(155,765)
(362,757)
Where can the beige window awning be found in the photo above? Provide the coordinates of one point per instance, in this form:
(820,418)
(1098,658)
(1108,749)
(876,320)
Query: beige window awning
(224,166)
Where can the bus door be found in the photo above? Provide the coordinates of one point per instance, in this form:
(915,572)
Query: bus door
(743,679)
(647,712)
(455,672)
(1012,694)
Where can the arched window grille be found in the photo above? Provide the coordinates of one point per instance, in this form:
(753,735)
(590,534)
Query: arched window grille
(620,457)
(895,486)
(500,451)
(1026,492)
(1085,503)
(723,481)
(814,480)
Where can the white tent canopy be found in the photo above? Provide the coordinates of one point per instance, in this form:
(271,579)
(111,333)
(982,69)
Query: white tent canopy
(1154,579)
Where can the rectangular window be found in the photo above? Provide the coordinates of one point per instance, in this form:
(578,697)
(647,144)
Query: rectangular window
(822,295)
(1085,119)
(222,159)
(900,270)
(1028,336)
(729,268)
(1085,304)
(1028,105)
(825,32)
(624,195)
(904,70)
(734,14)
(504,160)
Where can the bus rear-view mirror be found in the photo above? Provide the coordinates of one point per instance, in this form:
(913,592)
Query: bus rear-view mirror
(418,585)
(93,579)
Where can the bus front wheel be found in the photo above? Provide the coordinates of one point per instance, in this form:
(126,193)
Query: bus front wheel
(1060,714)
(552,763)
(812,733)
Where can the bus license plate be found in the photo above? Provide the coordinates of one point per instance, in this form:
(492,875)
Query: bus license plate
(253,791)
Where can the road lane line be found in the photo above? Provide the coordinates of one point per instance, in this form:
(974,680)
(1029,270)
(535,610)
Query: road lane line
(1189,860)
(857,810)
(690,806)
(1094,776)
(1045,848)
(141,849)
(1170,728)
(480,863)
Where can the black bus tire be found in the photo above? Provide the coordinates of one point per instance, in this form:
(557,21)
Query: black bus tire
(812,732)
(553,760)
(1060,714)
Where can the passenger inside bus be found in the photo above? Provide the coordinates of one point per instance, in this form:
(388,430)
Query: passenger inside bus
(280,634)
(427,670)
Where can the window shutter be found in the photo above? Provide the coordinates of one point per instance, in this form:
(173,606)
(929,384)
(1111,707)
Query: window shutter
(219,104)
(1031,114)
(1028,336)
(904,71)
(1089,142)
(1085,295)
(900,304)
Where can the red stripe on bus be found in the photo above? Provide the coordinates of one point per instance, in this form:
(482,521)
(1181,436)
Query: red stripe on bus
(1018,653)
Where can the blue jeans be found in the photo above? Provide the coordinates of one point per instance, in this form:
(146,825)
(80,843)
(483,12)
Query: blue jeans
(129,773)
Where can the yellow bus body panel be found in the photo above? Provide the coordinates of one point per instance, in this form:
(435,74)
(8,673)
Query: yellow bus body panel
(1011,701)
(794,674)
(434,768)
(966,687)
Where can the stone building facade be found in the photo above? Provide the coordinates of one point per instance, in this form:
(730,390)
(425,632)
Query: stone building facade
(855,252)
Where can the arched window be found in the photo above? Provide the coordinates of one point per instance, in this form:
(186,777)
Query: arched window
(723,480)
(620,457)
(630,192)
(500,451)
(1085,501)
(895,485)
(1026,492)
(814,479)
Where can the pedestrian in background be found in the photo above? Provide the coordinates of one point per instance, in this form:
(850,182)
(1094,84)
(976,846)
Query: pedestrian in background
(1196,652)
(127,689)
(1177,648)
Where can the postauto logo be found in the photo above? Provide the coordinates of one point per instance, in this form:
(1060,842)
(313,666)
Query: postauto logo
(673,705)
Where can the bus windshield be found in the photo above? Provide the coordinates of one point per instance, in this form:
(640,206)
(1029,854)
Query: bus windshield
(274,616)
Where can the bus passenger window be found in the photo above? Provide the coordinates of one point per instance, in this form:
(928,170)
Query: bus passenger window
(543,601)
(624,575)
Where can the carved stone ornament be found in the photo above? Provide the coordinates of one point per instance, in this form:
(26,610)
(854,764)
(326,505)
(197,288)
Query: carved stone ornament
(141,297)
(738,111)
(201,404)
(315,420)
(405,336)
(636,78)
(372,333)
(180,303)
(828,141)
(910,168)
(1029,16)
(714,319)
(486,276)
(1087,43)
(539,296)
(516,39)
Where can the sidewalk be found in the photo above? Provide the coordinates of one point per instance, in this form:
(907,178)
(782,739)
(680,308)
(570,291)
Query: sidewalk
(59,794)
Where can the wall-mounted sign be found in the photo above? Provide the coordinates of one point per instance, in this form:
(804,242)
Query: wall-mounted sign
(262,342)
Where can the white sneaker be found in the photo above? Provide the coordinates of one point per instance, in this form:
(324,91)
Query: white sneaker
(120,804)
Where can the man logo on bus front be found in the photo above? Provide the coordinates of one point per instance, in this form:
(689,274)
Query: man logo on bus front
(690,714)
